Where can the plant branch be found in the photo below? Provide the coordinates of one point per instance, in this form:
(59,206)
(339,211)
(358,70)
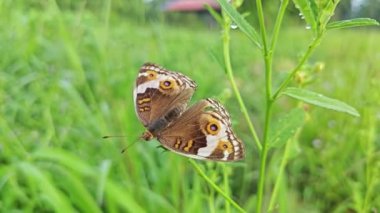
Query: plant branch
(280,174)
(267,52)
(316,41)
(277,25)
(228,67)
(268,59)
(260,15)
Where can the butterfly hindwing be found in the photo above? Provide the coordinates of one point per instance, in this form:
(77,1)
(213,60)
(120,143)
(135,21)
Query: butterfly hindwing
(204,132)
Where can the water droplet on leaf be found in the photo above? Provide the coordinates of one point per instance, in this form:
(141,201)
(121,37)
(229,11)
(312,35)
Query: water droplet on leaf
(234,26)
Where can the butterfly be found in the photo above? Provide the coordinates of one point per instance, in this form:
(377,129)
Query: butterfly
(202,131)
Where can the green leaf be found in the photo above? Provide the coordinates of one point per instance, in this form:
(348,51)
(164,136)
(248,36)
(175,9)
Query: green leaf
(286,127)
(308,9)
(294,149)
(239,20)
(357,22)
(320,100)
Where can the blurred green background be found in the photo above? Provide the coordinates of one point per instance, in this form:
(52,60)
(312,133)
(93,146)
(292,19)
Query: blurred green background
(67,72)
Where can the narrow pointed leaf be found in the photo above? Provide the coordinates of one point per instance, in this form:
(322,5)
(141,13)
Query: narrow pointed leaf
(320,100)
(239,20)
(358,22)
(286,127)
(308,10)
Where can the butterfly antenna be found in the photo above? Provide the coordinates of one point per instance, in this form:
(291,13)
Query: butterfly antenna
(127,147)
(113,136)
(120,136)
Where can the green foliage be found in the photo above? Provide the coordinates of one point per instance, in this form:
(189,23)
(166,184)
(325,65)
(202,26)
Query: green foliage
(239,20)
(67,71)
(285,127)
(320,100)
(317,15)
(358,22)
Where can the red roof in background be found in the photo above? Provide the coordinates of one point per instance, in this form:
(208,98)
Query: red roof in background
(190,5)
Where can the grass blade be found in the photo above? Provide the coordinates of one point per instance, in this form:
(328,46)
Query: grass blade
(55,197)
(125,200)
(64,158)
(79,194)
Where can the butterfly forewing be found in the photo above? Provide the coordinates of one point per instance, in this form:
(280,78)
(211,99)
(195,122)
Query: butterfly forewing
(158,92)
(204,132)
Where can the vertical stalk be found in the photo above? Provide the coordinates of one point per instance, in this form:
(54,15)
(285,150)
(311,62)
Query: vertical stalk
(263,158)
(268,111)
(227,61)
(226,186)
(276,32)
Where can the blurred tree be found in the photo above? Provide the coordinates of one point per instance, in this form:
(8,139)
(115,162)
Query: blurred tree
(344,10)
(368,8)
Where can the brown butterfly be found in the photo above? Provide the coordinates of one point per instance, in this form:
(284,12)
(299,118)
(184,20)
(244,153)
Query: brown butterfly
(202,131)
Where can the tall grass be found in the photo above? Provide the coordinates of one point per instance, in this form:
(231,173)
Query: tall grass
(66,79)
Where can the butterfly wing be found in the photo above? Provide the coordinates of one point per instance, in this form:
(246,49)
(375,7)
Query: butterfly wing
(204,132)
(158,91)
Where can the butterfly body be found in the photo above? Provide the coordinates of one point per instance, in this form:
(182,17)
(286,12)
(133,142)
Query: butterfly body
(202,131)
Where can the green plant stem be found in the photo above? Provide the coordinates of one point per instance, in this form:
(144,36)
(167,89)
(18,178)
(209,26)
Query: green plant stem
(226,186)
(277,25)
(268,58)
(263,158)
(260,15)
(267,52)
(280,174)
(213,185)
(316,41)
(227,60)
(370,171)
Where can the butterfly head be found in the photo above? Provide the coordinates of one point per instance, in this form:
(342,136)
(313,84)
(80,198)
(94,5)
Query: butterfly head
(147,136)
